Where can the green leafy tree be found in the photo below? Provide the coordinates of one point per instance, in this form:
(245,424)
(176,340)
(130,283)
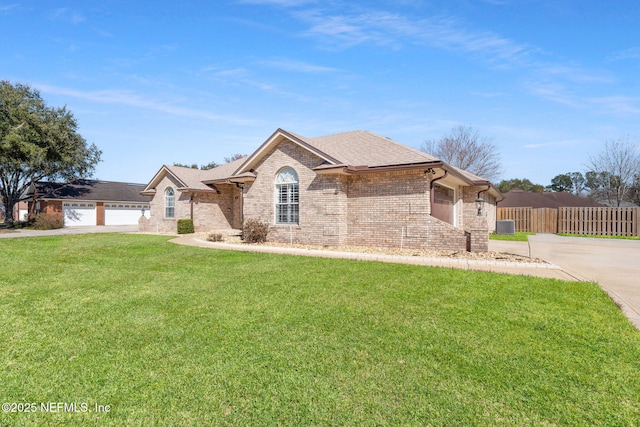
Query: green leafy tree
(234,157)
(211,165)
(561,183)
(578,180)
(524,184)
(38,142)
(182,165)
(195,166)
(571,182)
(208,166)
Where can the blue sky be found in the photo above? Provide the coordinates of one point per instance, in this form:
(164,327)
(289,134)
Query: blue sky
(158,82)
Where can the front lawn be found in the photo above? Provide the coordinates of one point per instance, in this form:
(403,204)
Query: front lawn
(520,236)
(161,334)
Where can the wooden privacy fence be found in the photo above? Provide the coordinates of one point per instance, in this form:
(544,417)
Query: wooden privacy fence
(599,221)
(539,220)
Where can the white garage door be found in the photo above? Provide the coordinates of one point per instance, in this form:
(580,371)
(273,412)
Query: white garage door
(123,213)
(79,214)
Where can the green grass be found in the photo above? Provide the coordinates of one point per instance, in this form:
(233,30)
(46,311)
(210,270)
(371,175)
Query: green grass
(519,236)
(180,336)
(599,236)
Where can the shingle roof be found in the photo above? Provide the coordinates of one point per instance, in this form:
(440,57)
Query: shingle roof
(356,150)
(522,199)
(195,178)
(360,147)
(86,189)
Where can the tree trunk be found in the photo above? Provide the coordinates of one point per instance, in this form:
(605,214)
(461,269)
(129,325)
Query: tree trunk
(9,202)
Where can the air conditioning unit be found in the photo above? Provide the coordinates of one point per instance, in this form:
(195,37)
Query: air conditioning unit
(505,226)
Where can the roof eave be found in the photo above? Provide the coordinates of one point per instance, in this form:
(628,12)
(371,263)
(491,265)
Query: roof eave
(198,190)
(340,169)
(358,169)
(159,175)
(264,148)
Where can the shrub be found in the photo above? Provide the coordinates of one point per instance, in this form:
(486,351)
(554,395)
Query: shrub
(254,231)
(215,237)
(48,221)
(185,226)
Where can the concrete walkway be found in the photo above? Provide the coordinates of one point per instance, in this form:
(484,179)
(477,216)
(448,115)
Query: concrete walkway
(613,263)
(547,270)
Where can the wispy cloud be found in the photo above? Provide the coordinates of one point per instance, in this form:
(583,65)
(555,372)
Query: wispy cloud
(350,28)
(573,73)
(283,3)
(67,15)
(244,78)
(559,93)
(127,98)
(488,94)
(8,7)
(631,53)
(554,91)
(342,26)
(564,143)
(296,66)
(617,104)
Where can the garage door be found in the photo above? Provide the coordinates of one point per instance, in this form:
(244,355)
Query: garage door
(79,214)
(123,213)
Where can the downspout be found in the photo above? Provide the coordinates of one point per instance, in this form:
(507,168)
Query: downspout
(482,191)
(241,187)
(191,206)
(433,183)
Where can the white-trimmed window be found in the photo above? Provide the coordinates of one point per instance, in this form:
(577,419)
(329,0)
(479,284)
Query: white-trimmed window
(169,203)
(287,197)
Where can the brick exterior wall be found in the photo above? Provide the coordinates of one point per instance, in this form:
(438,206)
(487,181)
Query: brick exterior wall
(322,204)
(469,206)
(210,211)
(389,209)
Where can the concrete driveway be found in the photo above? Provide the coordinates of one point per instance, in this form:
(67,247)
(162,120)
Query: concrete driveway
(7,234)
(612,263)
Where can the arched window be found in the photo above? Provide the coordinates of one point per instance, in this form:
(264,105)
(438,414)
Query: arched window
(287,210)
(169,203)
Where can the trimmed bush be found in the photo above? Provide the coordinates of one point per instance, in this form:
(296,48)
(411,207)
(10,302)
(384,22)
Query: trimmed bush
(254,231)
(48,221)
(185,226)
(215,237)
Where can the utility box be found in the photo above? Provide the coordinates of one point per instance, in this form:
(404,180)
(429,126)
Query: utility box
(506,226)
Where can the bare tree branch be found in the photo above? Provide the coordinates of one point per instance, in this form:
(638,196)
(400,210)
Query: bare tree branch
(613,170)
(465,149)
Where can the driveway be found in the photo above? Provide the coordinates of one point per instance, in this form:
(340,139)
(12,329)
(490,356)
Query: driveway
(6,234)
(612,263)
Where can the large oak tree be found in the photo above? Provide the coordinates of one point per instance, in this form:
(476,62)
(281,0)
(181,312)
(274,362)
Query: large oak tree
(38,142)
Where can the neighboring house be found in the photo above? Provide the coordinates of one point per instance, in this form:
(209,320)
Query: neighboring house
(352,188)
(613,204)
(89,202)
(524,199)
